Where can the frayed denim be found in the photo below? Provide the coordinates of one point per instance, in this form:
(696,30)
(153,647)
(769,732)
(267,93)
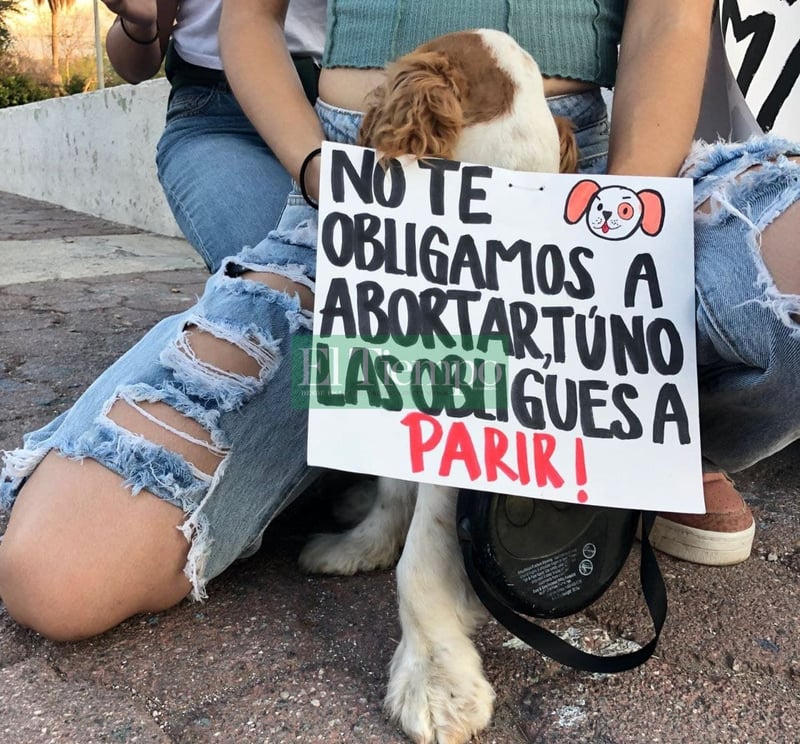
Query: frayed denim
(748,336)
(747,344)
(253,423)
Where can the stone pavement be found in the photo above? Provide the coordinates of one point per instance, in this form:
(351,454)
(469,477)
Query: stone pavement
(277,656)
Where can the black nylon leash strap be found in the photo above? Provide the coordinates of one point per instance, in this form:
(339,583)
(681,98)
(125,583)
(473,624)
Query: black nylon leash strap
(547,642)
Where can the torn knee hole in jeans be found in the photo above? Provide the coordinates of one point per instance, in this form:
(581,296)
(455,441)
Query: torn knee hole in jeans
(215,368)
(290,280)
(213,362)
(717,202)
(770,233)
(221,355)
(162,425)
(284,283)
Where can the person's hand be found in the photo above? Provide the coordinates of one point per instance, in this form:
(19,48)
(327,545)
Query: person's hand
(136,12)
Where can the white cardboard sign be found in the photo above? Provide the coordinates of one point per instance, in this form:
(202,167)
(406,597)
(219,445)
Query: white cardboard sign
(524,333)
(762,42)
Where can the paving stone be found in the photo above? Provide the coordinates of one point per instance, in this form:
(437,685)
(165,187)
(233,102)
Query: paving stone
(57,259)
(265,624)
(16,643)
(40,706)
(29,219)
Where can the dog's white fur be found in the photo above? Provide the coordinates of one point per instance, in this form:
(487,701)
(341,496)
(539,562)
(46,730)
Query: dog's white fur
(528,134)
(437,690)
(373,543)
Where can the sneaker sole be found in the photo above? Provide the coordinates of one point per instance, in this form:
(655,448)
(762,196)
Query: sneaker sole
(702,546)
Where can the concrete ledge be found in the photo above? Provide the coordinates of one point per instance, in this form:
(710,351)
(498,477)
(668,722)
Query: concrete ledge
(92,152)
(56,259)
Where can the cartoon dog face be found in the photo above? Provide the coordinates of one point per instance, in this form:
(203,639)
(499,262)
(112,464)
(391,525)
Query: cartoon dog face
(614,212)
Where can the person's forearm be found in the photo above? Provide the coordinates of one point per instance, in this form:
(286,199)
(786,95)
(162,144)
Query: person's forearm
(262,76)
(137,54)
(662,66)
(133,62)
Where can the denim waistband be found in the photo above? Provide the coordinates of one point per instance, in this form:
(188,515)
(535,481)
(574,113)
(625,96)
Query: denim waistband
(585,109)
(338,124)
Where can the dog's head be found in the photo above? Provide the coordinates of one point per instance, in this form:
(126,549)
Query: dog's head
(475,96)
(615,212)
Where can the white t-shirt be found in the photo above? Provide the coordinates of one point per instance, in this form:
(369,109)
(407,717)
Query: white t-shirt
(195,33)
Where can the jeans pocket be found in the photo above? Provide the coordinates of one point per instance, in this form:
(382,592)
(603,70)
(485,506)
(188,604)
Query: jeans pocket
(189,101)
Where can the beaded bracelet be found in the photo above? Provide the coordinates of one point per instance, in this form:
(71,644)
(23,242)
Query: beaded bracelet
(303,169)
(133,38)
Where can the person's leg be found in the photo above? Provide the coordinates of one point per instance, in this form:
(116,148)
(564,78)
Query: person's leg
(188,447)
(748,291)
(223,184)
(81,554)
(748,274)
(205,430)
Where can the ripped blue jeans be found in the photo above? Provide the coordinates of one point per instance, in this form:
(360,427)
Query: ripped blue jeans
(748,333)
(748,342)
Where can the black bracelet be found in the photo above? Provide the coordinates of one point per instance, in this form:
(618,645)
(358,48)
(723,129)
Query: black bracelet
(303,169)
(133,38)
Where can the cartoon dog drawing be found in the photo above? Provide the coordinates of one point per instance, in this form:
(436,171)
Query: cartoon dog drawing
(615,212)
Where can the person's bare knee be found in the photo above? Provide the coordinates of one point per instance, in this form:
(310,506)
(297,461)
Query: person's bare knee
(283,283)
(81,553)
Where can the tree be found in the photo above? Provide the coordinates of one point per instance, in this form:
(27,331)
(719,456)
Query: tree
(6,8)
(56,6)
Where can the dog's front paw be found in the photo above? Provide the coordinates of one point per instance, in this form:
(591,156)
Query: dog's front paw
(349,552)
(441,697)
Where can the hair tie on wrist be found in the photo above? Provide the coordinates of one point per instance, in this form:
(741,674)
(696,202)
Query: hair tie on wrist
(303,169)
(133,38)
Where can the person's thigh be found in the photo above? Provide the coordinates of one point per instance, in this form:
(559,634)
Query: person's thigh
(225,187)
(746,275)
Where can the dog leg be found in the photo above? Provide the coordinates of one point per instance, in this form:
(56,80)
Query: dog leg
(373,543)
(437,690)
(355,502)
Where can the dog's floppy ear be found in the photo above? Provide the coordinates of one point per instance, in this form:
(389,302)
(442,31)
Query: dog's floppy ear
(417,111)
(652,211)
(568,157)
(578,200)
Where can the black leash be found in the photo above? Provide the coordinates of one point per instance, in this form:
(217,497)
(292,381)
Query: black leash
(547,642)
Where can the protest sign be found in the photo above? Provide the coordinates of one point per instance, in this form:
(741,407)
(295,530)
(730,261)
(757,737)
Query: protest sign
(762,43)
(524,333)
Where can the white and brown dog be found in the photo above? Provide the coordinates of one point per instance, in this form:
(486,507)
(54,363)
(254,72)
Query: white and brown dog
(473,96)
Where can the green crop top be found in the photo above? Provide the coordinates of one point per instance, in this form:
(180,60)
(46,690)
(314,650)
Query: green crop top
(574,39)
